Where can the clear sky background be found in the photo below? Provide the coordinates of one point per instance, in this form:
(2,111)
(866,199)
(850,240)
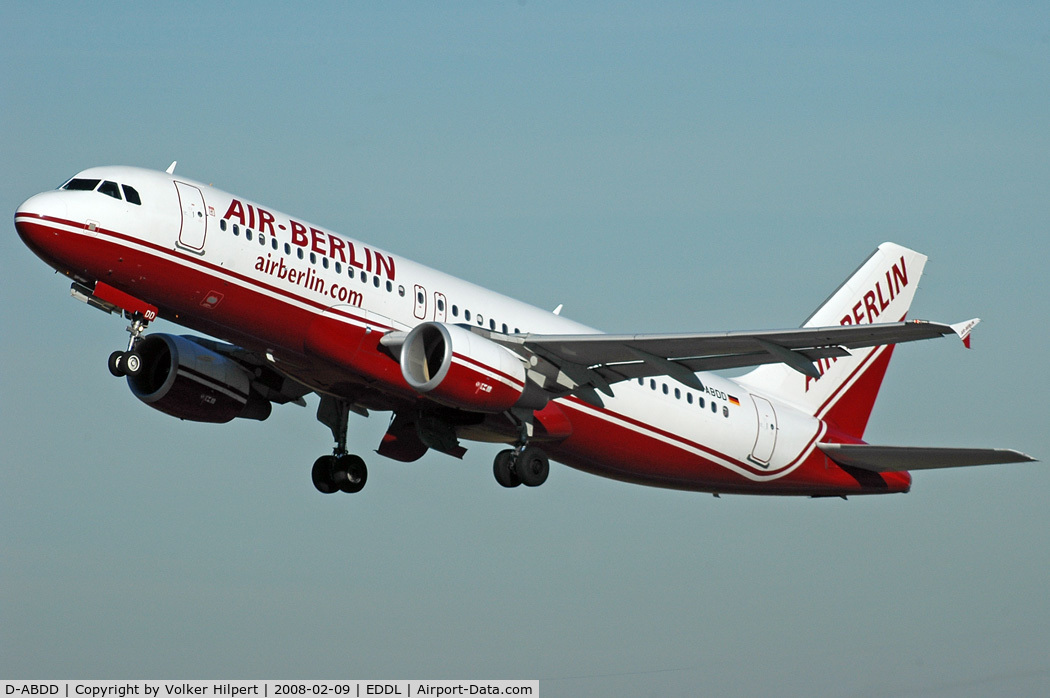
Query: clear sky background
(677,168)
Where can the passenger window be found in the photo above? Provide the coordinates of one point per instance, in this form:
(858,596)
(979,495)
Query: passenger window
(375,281)
(492,324)
(287,248)
(222,224)
(247,233)
(324,262)
(273,243)
(504,328)
(132,197)
(299,252)
(313,258)
(110,189)
(401,291)
(466,315)
(455,310)
(677,394)
(389,286)
(338,268)
(236,230)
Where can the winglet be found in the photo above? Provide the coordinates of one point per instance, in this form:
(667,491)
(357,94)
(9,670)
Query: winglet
(171,167)
(963,329)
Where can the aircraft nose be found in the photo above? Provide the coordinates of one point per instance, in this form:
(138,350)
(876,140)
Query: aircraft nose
(44,205)
(35,217)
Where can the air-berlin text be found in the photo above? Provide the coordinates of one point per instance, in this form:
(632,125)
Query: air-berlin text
(877,299)
(871,304)
(307,237)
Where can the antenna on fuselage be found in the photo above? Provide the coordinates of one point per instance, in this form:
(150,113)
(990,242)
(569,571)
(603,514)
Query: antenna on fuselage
(171,167)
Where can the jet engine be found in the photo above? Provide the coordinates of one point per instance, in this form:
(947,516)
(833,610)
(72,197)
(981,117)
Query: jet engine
(187,380)
(461,369)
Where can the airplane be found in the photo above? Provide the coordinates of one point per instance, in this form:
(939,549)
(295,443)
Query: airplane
(297,309)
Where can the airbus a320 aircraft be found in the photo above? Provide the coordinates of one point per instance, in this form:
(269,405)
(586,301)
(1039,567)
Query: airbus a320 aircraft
(301,309)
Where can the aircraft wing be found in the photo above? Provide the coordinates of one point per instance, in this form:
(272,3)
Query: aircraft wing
(888,459)
(602,359)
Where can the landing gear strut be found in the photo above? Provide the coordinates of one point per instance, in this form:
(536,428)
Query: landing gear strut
(129,363)
(341,471)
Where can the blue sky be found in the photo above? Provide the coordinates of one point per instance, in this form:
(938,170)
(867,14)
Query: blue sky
(677,168)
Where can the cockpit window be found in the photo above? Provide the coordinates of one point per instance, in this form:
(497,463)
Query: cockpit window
(107,187)
(110,189)
(81,184)
(131,195)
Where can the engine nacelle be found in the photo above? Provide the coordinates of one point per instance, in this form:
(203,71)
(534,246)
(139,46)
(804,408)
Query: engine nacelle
(458,368)
(189,381)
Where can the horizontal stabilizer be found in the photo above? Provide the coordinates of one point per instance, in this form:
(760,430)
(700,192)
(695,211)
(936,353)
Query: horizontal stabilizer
(963,329)
(887,459)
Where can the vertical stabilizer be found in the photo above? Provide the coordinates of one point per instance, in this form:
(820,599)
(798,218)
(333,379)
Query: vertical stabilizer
(881,290)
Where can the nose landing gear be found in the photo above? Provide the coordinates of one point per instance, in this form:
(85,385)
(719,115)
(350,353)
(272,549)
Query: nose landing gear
(129,363)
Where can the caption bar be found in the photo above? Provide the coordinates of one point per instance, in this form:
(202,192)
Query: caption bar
(264,689)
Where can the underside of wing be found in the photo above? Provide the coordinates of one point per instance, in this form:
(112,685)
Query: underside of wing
(887,459)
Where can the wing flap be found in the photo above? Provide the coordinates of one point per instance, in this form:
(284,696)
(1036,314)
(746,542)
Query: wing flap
(888,459)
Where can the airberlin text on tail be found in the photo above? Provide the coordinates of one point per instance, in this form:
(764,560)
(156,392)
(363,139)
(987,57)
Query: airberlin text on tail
(876,300)
(871,305)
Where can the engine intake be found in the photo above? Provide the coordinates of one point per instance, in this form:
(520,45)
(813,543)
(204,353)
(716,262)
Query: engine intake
(458,368)
(186,380)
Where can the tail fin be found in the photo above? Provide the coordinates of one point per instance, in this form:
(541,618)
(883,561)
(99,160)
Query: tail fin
(881,290)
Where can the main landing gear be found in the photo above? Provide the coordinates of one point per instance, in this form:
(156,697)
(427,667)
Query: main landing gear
(341,471)
(528,466)
(523,465)
(129,363)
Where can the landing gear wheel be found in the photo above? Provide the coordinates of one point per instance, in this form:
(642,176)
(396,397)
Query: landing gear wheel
(322,475)
(503,469)
(532,466)
(116,364)
(132,363)
(349,473)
